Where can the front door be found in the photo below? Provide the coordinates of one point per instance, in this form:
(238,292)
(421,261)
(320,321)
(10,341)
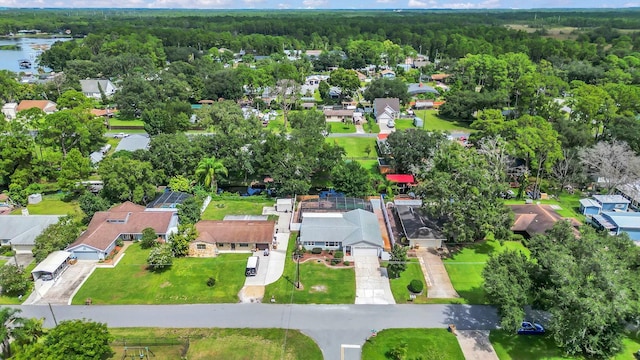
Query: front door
(233,246)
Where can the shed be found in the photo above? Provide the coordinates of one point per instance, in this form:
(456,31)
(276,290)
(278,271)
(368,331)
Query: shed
(590,207)
(52,267)
(34,199)
(418,122)
(285,205)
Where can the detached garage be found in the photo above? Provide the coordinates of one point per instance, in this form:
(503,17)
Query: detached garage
(418,228)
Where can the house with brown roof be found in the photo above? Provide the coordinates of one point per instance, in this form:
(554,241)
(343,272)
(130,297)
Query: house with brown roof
(125,222)
(48,107)
(534,219)
(340,115)
(231,236)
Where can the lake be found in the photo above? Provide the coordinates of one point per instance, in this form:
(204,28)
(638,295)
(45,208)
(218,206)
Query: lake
(28,48)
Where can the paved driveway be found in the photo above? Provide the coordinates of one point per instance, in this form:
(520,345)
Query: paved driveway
(62,290)
(438,281)
(372,283)
(475,345)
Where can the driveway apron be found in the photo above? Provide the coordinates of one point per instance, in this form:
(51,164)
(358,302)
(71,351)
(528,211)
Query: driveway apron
(372,282)
(438,281)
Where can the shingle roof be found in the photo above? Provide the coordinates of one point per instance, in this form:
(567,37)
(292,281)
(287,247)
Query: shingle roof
(416,224)
(590,203)
(22,230)
(536,219)
(611,199)
(40,104)
(134,142)
(356,227)
(380,104)
(128,218)
(235,231)
(91,85)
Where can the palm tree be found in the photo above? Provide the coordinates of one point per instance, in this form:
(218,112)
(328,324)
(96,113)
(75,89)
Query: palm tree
(387,187)
(207,170)
(8,316)
(29,331)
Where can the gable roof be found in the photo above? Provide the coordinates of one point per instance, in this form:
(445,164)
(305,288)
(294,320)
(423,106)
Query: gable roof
(127,218)
(416,224)
(90,86)
(44,105)
(380,104)
(235,231)
(536,219)
(420,88)
(590,203)
(623,220)
(611,199)
(22,230)
(356,227)
(134,142)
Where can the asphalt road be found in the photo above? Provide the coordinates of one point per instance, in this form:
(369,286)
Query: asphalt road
(329,325)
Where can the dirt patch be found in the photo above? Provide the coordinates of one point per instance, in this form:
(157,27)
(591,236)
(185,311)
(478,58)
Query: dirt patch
(165,284)
(318,288)
(251,294)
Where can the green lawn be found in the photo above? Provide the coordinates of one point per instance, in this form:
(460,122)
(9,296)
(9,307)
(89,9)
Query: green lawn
(215,343)
(184,283)
(371,127)
(465,267)
(319,284)
(371,165)
(355,146)
(2,262)
(433,122)
(120,122)
(426,343)
(514,347)
(52,205)
(399,285)
(14,300)
(570,204)
(518,347)
(342,128)
(402,124)
(218,209)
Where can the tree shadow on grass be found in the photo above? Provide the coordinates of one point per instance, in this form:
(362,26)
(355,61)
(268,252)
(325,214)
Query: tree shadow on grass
(474,295)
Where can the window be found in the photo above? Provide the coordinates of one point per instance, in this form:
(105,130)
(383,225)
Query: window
(201,246)
(243,245)
(332,244)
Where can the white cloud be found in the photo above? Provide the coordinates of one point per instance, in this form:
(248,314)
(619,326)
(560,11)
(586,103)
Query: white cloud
(284,6)
(253,2)
(488,4)
(422,4)
(311,4)
(385,1)
(193,4)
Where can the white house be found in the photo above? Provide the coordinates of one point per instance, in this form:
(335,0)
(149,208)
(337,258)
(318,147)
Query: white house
(10,110)
(91,88)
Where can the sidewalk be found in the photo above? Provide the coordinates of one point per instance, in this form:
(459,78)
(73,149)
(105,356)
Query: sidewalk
(475,345)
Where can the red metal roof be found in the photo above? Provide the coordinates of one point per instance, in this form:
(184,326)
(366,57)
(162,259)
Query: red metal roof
(382,136)
(401,178)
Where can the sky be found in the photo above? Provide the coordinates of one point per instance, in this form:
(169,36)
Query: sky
(322,4)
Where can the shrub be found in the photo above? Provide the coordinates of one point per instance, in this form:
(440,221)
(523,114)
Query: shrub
(211,282)
(338,254)
(335,261)
(416,286)
(316,250)
(346,263)
(120,243)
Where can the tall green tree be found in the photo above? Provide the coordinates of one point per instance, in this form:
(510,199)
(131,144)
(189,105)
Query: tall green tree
(56,237)
(412,149)
(397,261)
(73,340)
(74,168)
(460,191)
(207,171)
(387,88)
(8,316)
(352,179)
(128,180)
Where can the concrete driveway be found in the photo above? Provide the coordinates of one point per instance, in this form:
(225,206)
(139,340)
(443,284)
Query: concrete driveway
(61,291)
(475,345)
(372,282)
(438,281)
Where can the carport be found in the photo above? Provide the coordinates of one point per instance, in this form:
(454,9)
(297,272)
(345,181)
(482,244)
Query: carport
(52,267)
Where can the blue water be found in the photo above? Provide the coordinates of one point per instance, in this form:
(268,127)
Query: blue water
(29,49)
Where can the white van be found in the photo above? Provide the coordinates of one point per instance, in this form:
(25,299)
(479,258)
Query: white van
(252,266)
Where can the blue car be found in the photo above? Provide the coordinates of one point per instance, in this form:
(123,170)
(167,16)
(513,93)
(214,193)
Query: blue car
(529,328)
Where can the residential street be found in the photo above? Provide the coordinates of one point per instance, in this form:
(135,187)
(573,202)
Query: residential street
(329,325)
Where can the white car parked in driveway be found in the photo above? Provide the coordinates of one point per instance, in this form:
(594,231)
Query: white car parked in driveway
(120,135)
